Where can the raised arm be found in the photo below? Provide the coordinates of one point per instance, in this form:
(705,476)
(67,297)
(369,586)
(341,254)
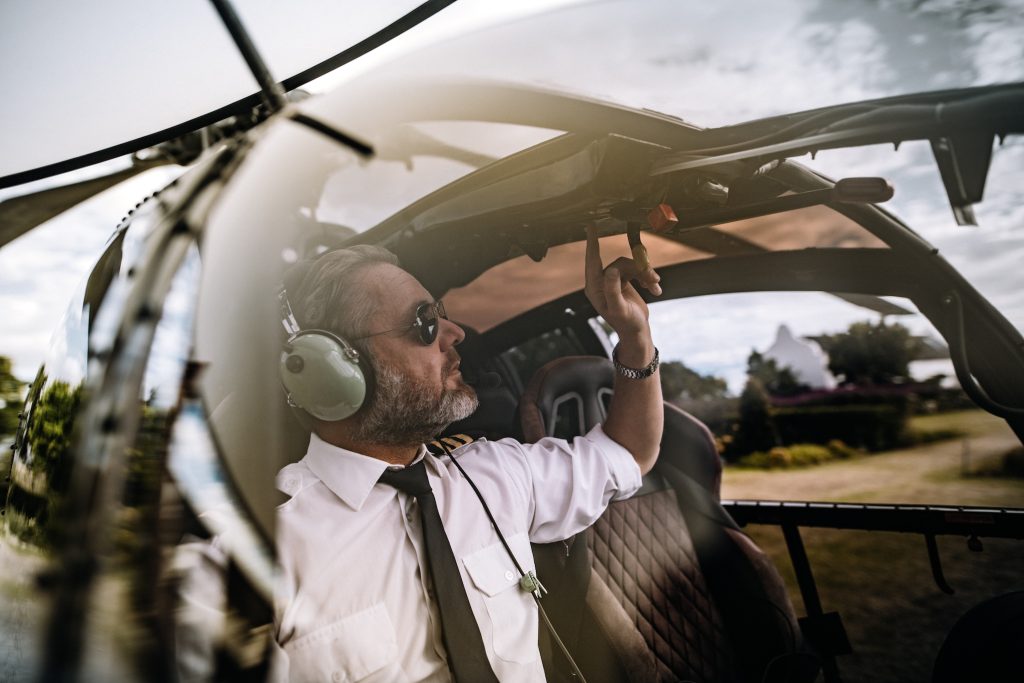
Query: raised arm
(636,416)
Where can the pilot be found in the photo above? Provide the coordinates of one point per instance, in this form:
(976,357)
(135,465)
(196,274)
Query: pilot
(399,564)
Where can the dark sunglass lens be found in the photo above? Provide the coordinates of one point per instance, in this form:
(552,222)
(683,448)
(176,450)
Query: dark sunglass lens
(429,332)
(427,318)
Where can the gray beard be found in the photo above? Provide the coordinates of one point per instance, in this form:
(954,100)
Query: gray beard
(404,412)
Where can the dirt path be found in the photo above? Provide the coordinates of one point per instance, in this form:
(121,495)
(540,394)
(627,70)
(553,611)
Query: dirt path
(22,611)
(926,474)
(25,613)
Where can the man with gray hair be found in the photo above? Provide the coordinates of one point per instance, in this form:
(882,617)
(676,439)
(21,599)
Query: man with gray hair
(389,570)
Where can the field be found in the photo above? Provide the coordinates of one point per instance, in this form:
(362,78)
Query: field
(881,583)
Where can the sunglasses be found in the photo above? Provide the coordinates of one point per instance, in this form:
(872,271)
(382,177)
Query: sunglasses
(426,323)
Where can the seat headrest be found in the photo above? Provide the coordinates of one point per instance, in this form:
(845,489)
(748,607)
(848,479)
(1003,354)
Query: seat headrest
(566,397)
(569,396)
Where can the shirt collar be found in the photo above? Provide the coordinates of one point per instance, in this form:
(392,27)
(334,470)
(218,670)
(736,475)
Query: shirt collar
(350,475)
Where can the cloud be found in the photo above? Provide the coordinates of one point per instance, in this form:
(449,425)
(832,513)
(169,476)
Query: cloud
(40,271)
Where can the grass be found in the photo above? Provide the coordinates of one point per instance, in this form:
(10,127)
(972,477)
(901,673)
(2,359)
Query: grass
(966,422)
(881,583)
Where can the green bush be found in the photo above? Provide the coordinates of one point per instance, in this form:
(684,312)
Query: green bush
(783,457)
(757,459)
(839,449)
(809,454)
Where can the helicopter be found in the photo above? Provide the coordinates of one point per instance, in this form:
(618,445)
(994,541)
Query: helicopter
(143,466)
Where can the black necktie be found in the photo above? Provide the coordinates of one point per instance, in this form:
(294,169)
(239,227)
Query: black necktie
(467,658)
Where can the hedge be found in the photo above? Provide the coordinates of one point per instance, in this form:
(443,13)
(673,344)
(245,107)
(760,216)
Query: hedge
(876,427)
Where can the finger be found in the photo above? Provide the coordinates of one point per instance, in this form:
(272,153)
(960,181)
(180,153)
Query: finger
(626,266)
(593,260)
(613,285)
(594,271)
(648,279)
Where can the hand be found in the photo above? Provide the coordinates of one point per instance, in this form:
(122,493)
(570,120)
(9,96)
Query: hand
(613,295)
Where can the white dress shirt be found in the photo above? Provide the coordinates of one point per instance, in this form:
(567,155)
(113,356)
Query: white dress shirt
(355,599)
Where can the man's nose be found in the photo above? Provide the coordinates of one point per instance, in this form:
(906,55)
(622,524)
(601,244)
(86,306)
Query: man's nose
(450,334)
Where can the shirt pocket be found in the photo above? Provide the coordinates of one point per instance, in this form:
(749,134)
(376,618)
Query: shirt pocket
(350,649)
(511,610)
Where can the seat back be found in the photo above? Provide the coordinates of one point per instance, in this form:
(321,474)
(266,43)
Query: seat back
(985,644)
(569,396)
(642,605)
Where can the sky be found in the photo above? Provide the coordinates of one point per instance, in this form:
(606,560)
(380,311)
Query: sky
(73,78)
(700,63)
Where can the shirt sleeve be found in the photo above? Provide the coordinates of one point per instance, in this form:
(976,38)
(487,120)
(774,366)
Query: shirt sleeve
(570,484)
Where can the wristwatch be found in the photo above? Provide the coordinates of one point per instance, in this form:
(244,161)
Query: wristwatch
(634,373)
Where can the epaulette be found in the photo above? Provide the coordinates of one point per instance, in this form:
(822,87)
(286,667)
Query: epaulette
(452,441)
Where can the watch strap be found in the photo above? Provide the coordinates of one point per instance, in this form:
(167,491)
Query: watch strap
(635,373)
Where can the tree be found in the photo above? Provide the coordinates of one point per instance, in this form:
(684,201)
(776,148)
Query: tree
(10,398)
(49,430)
(870,353)
(756,428)
(773,379)
(679,382)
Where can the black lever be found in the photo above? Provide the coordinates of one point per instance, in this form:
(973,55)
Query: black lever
(933,558)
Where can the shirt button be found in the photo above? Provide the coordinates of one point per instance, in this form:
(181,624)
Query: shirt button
(509,575)
(336,677)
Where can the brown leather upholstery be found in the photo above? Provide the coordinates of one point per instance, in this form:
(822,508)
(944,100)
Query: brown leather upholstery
(643,552)
(650,613)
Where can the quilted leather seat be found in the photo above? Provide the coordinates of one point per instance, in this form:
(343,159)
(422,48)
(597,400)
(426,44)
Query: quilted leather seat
(664,586)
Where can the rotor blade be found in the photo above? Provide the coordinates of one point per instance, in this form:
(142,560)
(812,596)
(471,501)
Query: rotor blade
(721,243)
(408,142)
(20,214)
(873,303)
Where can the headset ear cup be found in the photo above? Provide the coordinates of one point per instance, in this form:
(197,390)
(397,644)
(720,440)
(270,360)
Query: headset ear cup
(366,367)
(321,374)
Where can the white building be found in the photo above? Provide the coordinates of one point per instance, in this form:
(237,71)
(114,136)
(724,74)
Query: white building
(805,358)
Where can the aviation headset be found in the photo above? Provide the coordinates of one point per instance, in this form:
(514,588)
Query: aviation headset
(320,371)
